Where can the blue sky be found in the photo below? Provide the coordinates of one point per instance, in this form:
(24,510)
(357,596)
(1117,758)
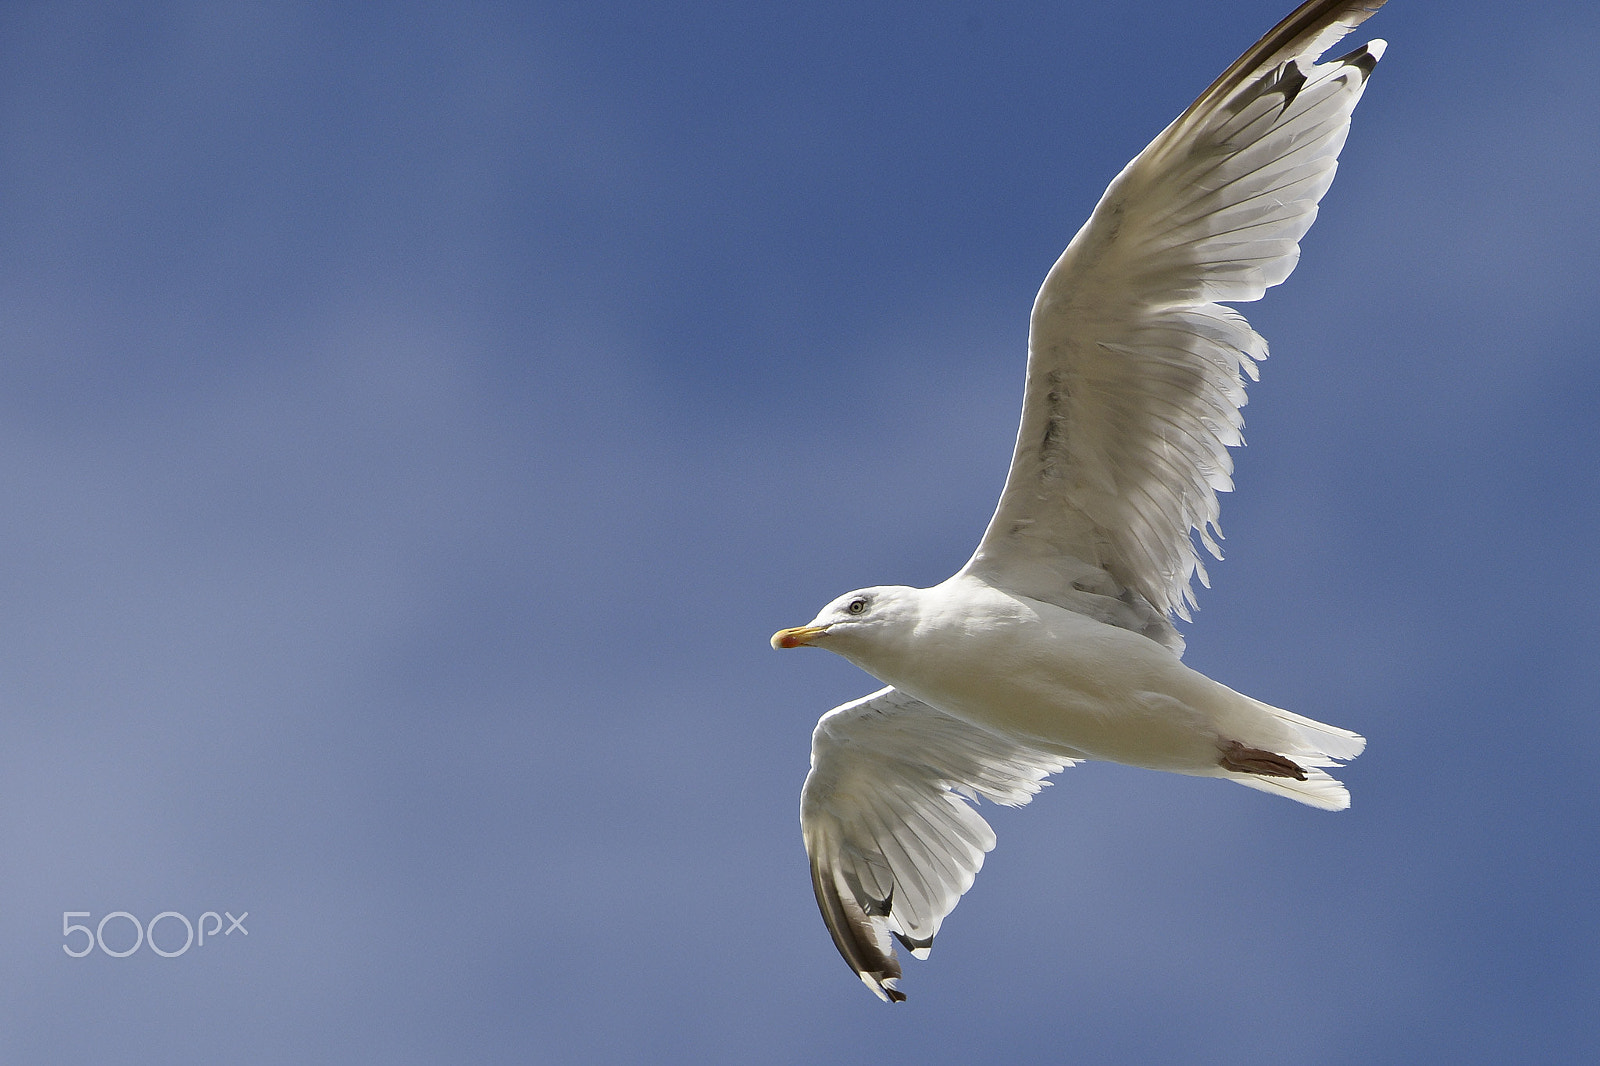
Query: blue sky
(415,419)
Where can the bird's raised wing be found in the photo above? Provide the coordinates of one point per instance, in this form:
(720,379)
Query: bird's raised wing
(1135,369)
(892,839)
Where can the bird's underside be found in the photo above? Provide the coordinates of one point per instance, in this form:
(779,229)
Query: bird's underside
(1055,642)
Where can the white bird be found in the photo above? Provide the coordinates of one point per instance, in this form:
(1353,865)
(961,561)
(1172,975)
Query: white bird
(1055,642)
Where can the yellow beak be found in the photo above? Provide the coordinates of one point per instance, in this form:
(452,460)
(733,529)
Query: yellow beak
(796,637)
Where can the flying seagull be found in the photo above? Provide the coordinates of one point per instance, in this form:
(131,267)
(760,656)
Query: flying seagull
(1055,642)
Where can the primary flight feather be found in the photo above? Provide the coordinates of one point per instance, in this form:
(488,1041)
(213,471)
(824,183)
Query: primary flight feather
(1055,642)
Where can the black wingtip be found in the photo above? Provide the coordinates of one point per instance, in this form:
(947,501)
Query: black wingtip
(1364,58)
(856,936)
(1290,80)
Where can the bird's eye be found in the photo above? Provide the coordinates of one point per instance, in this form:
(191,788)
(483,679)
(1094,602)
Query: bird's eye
(857,605)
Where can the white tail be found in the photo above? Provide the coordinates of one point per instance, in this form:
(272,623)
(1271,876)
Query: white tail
(1314,744)
(1318,789)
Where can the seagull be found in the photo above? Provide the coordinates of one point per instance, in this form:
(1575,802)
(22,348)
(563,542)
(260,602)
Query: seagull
(1056,643)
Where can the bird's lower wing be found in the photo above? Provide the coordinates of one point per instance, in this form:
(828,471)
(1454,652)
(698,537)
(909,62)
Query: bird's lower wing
(892,837)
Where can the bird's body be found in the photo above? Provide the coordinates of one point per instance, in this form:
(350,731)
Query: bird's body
(1055,642)
(1050,677)
(1065,683)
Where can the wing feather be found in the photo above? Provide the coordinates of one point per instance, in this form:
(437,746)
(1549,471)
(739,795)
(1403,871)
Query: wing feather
(887,818)
(1136,370)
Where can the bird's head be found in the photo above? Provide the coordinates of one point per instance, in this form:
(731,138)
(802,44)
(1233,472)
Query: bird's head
(854,620)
